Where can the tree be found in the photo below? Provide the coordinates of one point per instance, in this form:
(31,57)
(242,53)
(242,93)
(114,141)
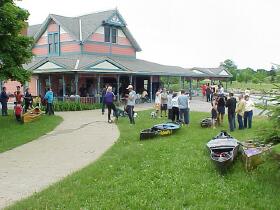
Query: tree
(272,73)
(15,49)
(230,66)
(260,75)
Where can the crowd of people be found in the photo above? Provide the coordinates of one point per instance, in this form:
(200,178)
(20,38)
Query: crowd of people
(241,108)
(177,104)
(25,101)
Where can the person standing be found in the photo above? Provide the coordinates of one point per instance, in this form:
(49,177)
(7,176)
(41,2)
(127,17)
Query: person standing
(240,109)
(163,98)
(248,114)
(4,102)
(214,111)
(109,101)
(157,102)
(18,95)
(131,103)
(208,93)
(231,105)
(103,93)
(27,100)
(175,108)
(221,109)
(183,103)
(49,98)
(203,90)
(169,104)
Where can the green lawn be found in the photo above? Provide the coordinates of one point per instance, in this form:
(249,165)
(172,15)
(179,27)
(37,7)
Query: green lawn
(172,172)
(14,134)
(250,85)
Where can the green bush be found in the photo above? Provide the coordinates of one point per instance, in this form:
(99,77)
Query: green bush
(60,106)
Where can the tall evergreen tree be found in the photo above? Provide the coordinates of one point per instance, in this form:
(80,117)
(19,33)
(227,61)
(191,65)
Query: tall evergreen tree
(15,48)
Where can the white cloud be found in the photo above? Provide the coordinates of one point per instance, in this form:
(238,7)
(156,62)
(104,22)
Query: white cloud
(188,32)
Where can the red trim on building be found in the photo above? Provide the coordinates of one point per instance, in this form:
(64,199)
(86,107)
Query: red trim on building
(52,27)
(123,41)
(66,37)
(97,37)
(40,50)
(97,48)
(123,51)
(43,40)
(70,48)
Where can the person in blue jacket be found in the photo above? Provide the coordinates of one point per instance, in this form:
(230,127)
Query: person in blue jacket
(4,102)
(49,98)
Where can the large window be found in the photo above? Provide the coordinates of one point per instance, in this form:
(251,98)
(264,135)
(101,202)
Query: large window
(53,43)
(110,34)
(114,35)
(107,32)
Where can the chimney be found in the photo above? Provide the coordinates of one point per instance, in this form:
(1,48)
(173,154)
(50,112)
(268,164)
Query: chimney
(24,29)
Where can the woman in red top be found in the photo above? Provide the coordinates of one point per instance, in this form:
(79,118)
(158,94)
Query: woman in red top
(18,111)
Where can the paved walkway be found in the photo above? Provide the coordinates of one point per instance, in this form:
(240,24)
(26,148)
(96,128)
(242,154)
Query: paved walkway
(79,140)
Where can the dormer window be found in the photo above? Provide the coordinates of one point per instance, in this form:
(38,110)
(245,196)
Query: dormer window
(53,43)
(110,34)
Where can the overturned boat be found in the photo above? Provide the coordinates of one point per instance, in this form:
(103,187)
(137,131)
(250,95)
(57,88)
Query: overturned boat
(224,149)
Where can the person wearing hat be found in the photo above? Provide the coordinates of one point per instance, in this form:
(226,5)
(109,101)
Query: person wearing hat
(131,103)
(248,114)
(231,105)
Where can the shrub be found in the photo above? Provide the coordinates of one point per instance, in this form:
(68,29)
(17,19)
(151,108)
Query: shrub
(73,106)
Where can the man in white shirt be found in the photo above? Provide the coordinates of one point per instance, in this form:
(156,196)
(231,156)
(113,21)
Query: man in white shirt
(131,103)
(248,114)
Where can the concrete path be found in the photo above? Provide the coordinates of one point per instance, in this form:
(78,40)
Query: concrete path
(79,140)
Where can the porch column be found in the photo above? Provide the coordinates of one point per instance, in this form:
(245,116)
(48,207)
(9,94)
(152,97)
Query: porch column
(130,79)
(190,88)
(63,87)
(183,82)
(76,83)
(38,86)
(151,87)
(180,82)
(50,82)
(168,82)
(226,85)
(118,87)
(98,88)
(197,83)
(134,83)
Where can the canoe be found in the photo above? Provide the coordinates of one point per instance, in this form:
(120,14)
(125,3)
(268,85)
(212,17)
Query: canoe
(148,134)
(31,115)
(223,150)
(167,126)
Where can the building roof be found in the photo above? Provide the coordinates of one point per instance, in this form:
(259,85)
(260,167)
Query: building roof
(88,23)
(87,63)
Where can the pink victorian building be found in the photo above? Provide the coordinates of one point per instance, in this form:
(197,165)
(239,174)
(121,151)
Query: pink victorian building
(79,55)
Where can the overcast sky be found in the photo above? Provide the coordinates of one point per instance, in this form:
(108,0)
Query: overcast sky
(187,33)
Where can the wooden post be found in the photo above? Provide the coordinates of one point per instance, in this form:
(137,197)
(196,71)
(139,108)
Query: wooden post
(134,83)
(118,87)
(76,83)
(183,83)
(180,82)
(151,87)
(63,87)
(98,88)
(197,83)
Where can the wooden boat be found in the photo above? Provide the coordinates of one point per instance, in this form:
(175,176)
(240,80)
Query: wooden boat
(224,149)
(31,115)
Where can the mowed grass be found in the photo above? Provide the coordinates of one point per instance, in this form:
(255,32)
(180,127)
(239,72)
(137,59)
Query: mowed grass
(14,134)
(244,86)
(173,172)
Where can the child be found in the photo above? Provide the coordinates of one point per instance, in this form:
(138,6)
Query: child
(18,111)
(214,112)
(175,108)
(37,101)
(157,102)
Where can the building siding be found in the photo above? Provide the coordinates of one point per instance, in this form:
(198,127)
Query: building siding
(39,51)
(116,50)
(96,48)
(70,47)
